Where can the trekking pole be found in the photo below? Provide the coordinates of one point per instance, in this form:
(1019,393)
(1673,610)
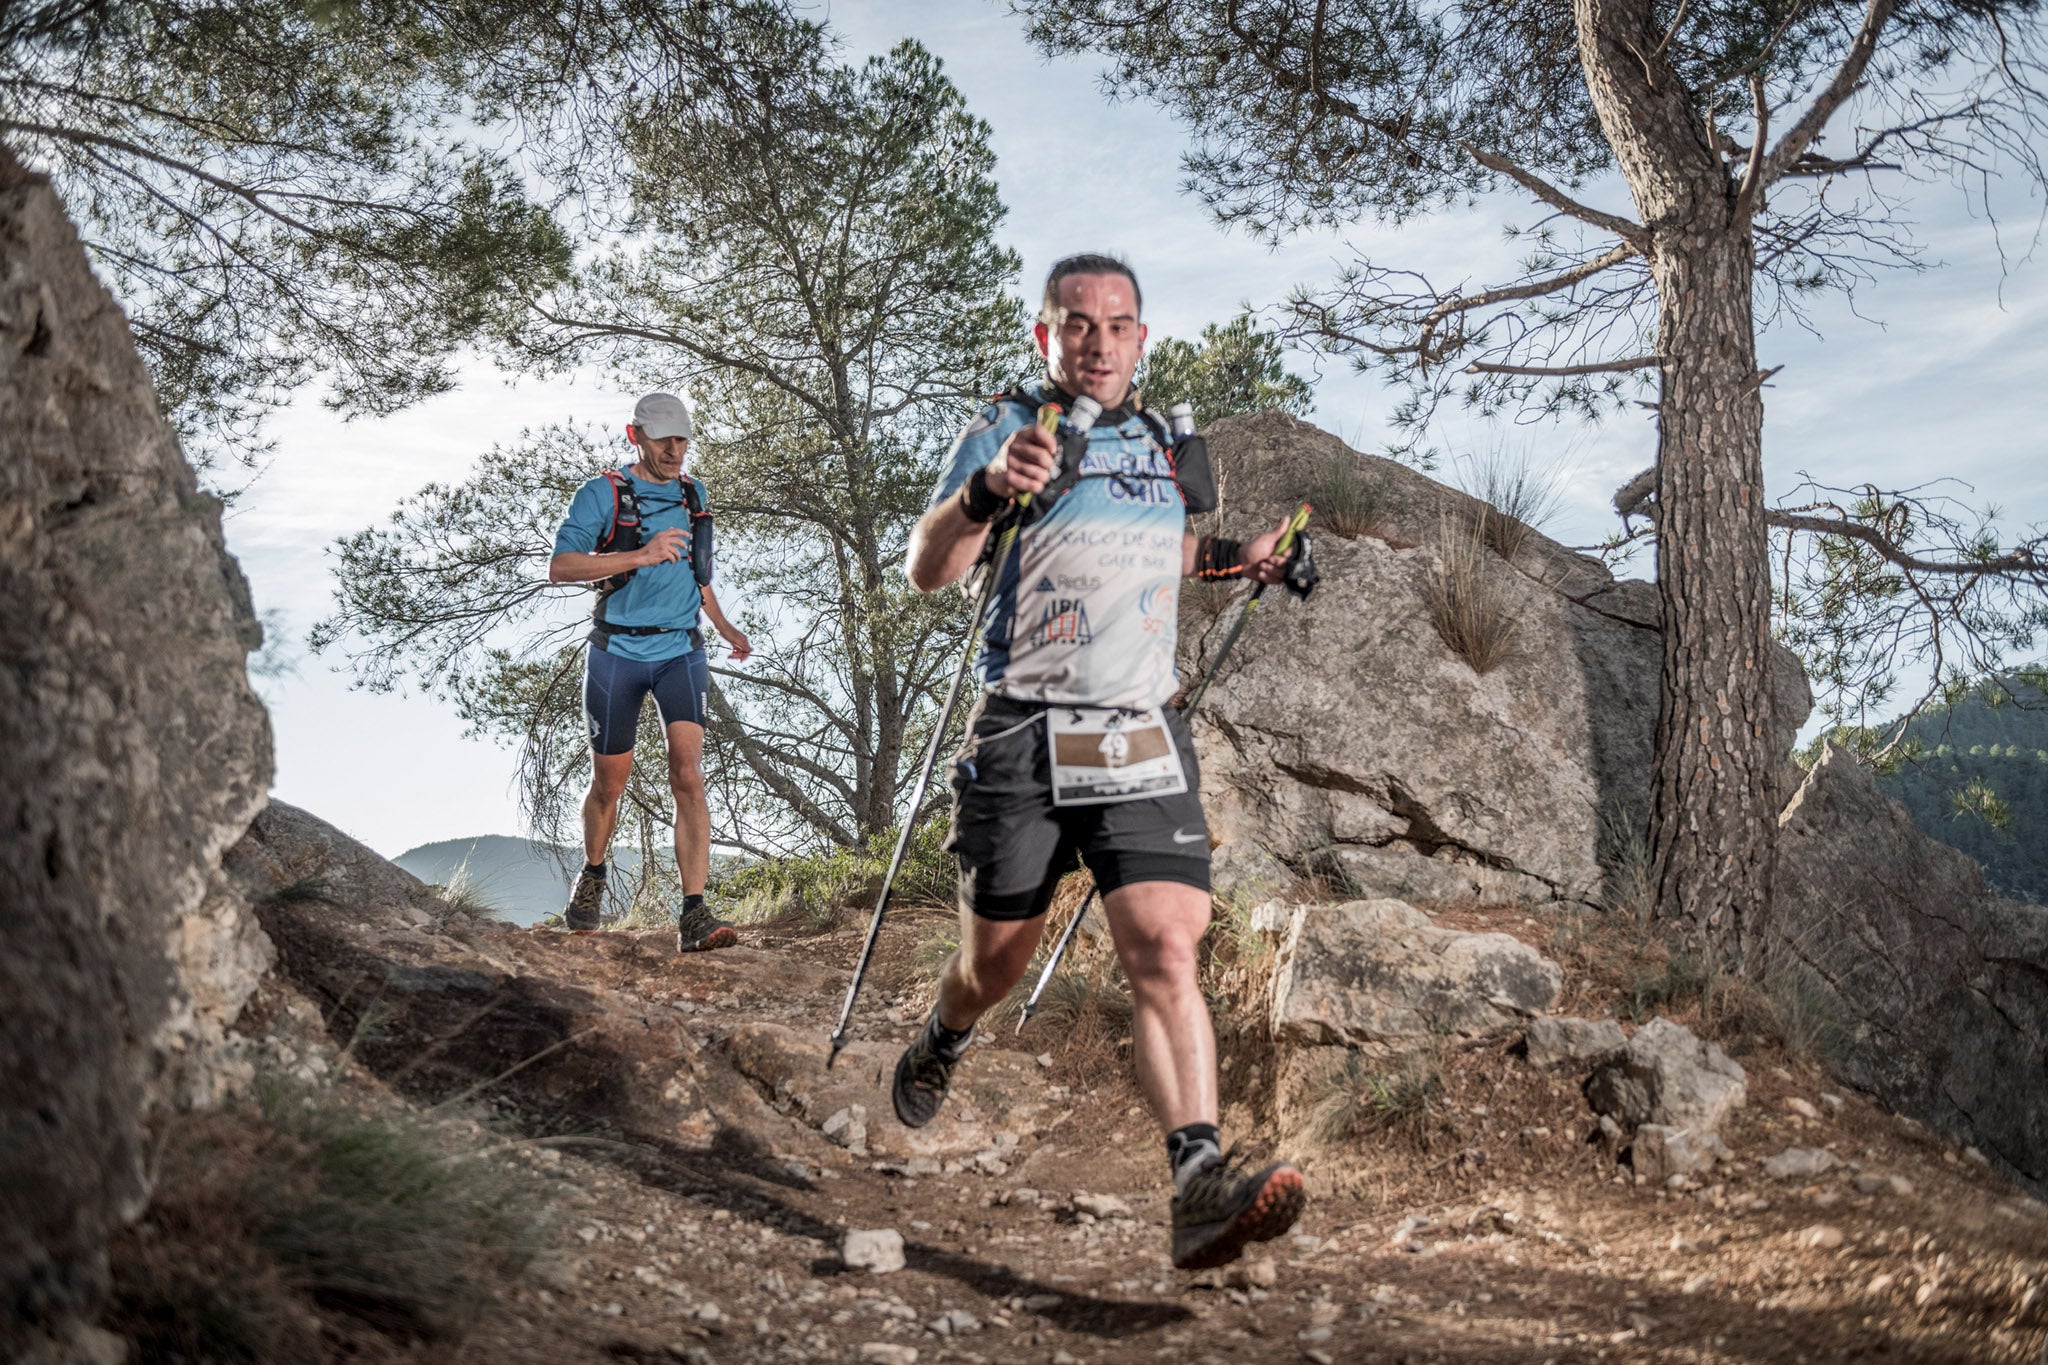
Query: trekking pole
(1295,526)
(999,563)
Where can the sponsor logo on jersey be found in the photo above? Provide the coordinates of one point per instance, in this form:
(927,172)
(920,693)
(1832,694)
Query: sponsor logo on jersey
(1065,623)
(1045,585)
(1155,605)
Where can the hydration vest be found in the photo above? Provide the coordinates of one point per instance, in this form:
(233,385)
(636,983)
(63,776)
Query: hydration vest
(623,535)
(1193,477)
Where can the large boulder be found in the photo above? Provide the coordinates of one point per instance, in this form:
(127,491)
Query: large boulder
(1937,988)
(134,752)
(1381,973)
(1347,740)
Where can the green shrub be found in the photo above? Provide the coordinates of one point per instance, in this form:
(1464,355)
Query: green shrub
(816,891)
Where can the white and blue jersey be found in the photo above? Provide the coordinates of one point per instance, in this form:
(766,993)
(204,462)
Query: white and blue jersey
(1087,611)
(657,595)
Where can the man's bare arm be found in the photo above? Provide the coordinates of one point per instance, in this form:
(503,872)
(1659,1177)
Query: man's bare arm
(730,633)
(946,541)
(571,567)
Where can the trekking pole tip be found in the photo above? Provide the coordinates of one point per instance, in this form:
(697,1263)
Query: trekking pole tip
(838,1042)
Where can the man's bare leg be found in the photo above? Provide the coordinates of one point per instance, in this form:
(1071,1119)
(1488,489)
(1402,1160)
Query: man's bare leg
(608,774)
(1157,927)
(1218,1209)
(693,806)
(991,958)
(697,928)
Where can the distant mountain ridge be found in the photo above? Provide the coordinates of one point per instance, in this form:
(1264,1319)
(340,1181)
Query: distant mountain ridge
(522,880)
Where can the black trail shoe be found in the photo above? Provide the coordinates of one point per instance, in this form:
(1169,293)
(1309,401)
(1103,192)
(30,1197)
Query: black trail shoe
(586,903)
(923,1076)
(1223,1210)
(699,931)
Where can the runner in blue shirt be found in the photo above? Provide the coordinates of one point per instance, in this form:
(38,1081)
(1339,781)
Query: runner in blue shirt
(1072,749)
(643,532)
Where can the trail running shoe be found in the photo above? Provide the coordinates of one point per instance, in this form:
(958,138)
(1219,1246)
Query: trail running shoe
(699,931)
(586,903)
(923,1075)
(1223,1210)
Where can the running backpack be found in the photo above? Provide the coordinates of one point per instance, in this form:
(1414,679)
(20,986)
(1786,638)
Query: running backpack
(623,534)
(1188,457)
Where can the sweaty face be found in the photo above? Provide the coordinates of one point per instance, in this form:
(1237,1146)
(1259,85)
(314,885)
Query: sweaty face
(1094,345)
(662,456)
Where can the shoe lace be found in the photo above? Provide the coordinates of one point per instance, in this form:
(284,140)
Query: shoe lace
(1213,1185)
(930,1071)
(589,894)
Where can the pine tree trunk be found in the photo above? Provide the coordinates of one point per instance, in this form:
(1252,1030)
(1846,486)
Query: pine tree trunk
(1714,777)
(1713,813)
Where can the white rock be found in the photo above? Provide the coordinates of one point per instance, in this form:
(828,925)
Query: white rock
(887,1353)
(1101,1205)
(1381,971)
(955,1322)
(1821,1237)
(1801,1107)
(876,1250)
(1799,1163)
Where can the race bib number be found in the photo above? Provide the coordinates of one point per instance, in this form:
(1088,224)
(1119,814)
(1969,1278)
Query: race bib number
(1100,756)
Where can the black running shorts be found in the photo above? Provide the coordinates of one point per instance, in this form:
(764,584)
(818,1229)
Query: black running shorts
(1014,845)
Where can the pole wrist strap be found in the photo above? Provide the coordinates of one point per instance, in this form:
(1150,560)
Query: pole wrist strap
(978,503)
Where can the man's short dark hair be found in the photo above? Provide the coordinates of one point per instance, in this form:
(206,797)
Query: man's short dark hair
(1087,263)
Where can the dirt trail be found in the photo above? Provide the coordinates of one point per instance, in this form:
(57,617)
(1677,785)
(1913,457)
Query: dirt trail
(674,1106)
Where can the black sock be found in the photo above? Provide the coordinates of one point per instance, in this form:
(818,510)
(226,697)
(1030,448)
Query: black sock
(1191,1147)
(693,901)
(594,870)
(949,1043)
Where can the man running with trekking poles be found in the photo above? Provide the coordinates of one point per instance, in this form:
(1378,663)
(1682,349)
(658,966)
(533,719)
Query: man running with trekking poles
(642,535)
(1072,748)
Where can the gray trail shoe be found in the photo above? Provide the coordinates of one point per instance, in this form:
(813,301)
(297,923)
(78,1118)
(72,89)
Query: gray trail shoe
(699,931)
(923,1076)
(586,903)
(1223,1210)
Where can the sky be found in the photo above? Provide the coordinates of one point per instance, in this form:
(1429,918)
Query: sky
(1932,375)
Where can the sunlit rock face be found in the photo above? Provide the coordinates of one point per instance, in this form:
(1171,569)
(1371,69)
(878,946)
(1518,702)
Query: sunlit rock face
(133,754)
(1347,740)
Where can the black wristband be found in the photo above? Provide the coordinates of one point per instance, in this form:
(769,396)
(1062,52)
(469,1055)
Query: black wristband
(1217,557)
(977,502)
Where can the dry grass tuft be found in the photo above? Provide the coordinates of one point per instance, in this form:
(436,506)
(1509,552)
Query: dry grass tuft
(1469,602)
(1355,1097)
(1348,500)
(307,1229)
(1522,498)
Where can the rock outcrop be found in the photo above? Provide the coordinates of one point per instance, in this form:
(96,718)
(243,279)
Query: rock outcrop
(1379,972)
(1347,740)
(1935,988)
(135,753)
(1666,1076)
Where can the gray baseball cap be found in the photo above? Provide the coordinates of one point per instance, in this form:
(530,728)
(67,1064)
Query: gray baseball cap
(661,414)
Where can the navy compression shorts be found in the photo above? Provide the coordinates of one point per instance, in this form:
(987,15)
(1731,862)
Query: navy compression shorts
(615,688)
